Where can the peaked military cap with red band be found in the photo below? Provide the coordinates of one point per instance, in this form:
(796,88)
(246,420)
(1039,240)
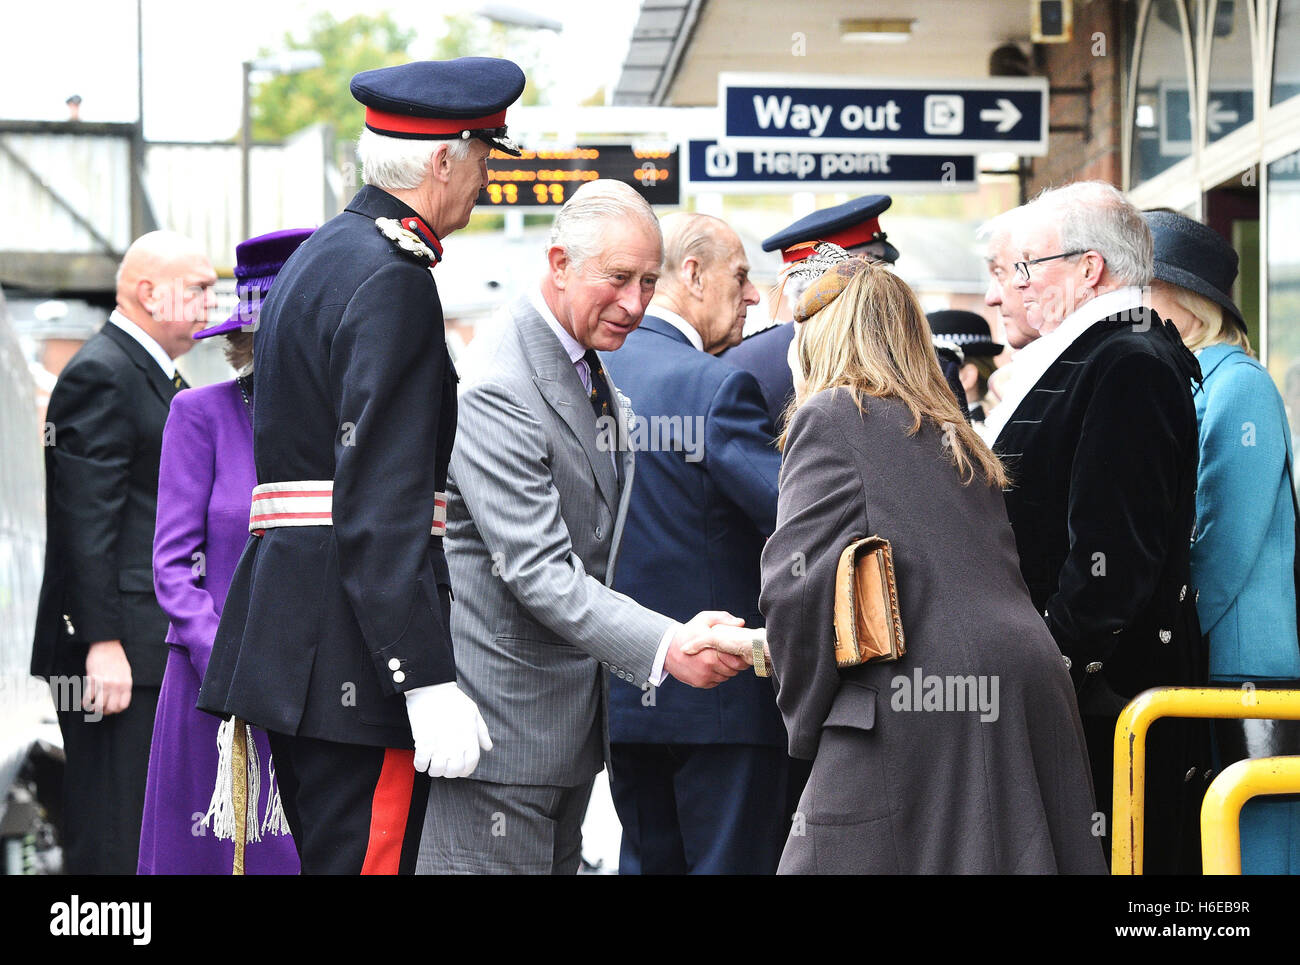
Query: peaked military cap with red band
(442,99)
(849,225)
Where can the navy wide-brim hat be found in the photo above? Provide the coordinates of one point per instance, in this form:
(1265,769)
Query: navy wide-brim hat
(257,262)
(1194,256)
(848,225)
(968,330)
(442,99)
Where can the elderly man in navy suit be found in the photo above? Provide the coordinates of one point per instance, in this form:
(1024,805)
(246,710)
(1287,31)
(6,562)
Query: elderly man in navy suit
(699,778)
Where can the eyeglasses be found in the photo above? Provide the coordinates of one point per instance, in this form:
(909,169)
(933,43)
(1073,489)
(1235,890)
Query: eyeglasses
(1022,267)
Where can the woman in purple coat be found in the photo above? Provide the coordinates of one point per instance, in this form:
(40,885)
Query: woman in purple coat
(205,487)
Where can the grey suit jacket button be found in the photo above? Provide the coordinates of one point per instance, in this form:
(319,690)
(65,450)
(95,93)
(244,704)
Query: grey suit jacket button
(1068,662)
(600,531)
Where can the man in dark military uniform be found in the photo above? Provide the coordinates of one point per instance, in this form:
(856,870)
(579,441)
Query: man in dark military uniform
(855,227)
(335,637)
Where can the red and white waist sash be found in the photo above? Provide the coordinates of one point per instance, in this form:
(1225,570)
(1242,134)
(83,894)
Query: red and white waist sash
(309,502)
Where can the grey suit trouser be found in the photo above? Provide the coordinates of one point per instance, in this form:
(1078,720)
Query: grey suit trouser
(477,827)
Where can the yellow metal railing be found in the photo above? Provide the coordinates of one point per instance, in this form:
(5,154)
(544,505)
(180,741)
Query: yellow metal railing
(1221,809)
(1129,791)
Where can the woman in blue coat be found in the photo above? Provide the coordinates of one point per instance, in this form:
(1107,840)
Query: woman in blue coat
(1244,545)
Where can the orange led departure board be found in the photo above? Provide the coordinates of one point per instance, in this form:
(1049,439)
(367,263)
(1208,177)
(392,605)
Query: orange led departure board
(544,179)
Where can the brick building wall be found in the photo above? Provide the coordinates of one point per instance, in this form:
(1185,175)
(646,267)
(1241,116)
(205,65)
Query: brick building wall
(1097,50)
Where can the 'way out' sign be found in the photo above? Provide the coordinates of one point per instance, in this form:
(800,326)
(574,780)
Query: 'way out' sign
(799,111)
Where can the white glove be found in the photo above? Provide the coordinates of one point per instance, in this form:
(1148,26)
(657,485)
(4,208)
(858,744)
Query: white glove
(448,730)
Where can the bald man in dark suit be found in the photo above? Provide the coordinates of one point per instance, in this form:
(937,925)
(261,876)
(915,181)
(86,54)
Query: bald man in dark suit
(100,633)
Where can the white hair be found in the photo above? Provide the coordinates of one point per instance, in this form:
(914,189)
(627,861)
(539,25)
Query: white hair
(582,223)
(1095,216)
(999,225)
(400,163)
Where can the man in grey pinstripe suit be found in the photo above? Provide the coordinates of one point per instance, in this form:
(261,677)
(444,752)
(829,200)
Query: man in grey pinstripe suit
(537,498)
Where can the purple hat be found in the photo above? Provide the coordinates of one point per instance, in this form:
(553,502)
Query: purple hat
(257,262)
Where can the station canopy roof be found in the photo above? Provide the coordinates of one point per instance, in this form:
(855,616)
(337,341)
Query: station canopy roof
(678,47)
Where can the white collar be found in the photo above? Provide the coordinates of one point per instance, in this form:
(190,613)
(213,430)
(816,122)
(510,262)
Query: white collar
(575,349)
(146,341)
(1033,361)
(1090,313)
(679,323)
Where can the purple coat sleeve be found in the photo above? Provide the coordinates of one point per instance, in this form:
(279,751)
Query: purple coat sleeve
(180,536)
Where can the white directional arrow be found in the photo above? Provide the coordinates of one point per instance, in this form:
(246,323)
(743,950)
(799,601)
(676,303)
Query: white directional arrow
(1006,115)
(1216,115)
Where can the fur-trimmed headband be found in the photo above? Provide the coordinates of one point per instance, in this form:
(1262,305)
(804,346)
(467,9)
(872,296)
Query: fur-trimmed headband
(832,268)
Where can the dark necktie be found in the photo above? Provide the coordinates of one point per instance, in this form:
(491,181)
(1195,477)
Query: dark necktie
(177,380)
(601,403)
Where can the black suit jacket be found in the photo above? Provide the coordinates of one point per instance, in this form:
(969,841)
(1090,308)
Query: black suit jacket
(1103,454)
(1103,457)
(325,627)
(106,418)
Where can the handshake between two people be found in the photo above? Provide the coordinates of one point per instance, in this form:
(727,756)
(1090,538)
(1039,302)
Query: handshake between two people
(712,647)
(450,734)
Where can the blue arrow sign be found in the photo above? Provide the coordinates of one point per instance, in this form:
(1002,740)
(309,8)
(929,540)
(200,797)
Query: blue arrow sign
(793,112)
(715,167)
(1228,107)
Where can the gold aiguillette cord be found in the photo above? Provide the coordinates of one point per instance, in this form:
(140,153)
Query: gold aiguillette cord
(239,776)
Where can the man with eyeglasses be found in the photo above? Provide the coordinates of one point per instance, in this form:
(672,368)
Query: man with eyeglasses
(1099,433)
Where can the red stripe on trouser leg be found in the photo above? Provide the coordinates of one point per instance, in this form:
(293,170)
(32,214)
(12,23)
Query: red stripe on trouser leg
(389,809)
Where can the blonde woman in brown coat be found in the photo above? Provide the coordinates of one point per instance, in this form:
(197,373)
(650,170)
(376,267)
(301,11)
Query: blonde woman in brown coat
(966,755)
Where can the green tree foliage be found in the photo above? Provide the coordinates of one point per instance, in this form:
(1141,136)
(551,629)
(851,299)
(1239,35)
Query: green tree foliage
(286,103)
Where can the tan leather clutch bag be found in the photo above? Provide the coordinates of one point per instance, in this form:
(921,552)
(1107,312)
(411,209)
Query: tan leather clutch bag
(867,622)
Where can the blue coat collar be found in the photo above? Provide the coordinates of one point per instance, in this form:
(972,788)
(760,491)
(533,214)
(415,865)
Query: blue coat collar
(1212,356)
(652,323)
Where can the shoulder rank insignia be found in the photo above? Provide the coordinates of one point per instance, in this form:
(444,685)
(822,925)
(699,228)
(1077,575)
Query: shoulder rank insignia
(407,240)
